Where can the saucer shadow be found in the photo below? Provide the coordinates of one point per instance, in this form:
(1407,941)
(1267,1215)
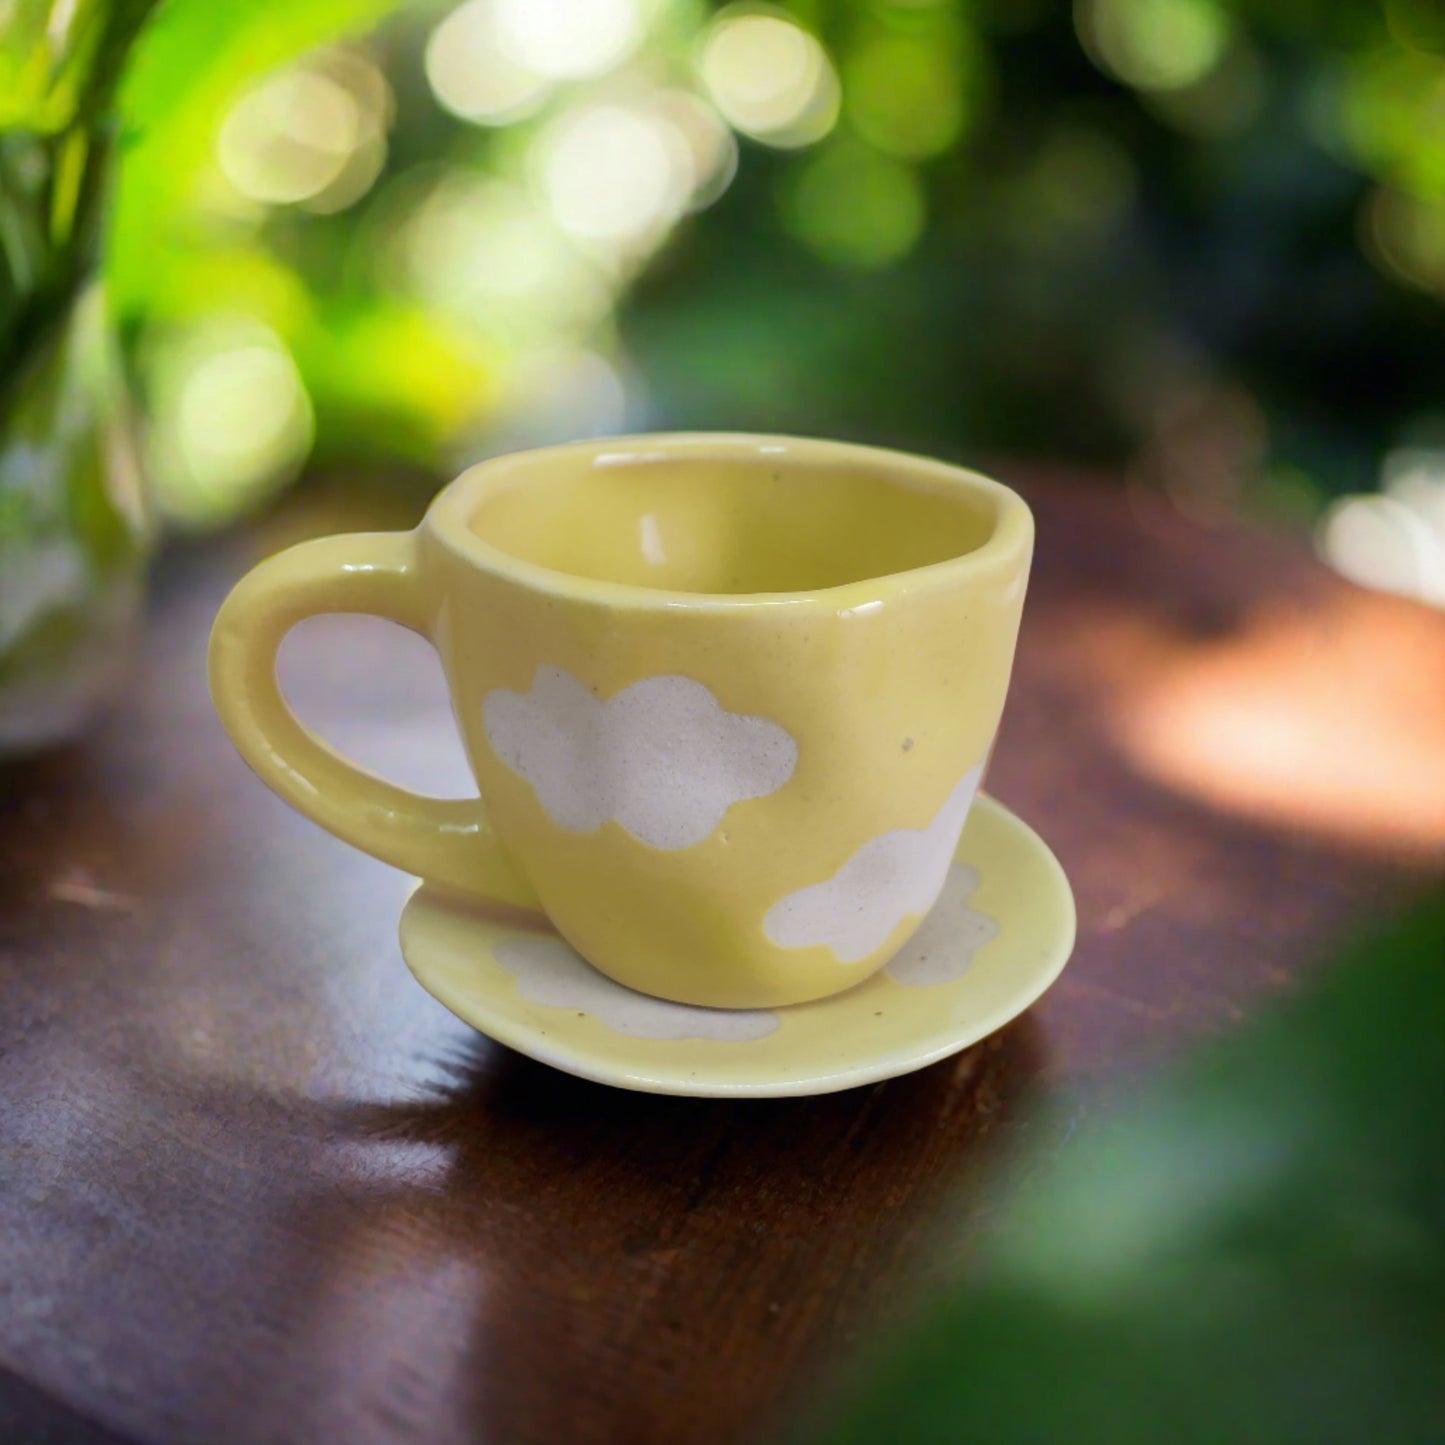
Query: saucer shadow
(697,1262)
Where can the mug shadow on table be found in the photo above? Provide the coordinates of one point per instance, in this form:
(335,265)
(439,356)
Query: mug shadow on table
(666,1250)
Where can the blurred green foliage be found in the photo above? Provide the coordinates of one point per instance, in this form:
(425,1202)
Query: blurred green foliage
(1191,276)
(59,65)
(1255,1254)
(1200,239)
(71,533)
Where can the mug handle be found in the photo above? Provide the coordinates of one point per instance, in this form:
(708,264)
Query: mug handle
(447,842)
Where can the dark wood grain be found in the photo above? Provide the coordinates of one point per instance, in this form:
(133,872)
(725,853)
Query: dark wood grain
(256,1186)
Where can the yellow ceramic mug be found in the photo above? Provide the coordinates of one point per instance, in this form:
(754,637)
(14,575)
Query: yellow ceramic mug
(728,698)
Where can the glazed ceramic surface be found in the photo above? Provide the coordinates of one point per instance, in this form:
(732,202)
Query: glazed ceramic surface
(728,699)
(997,937)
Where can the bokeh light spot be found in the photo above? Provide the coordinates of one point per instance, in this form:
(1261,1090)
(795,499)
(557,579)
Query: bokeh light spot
(481,248)
(236,407)
(473,76)
(290,137)
(1154,44)
(231,421)
(613,174)
(313,134)
(907,94)
(1225,102)
(1417,24)
(855,207)
(1381,542)
(770,78)
(1394,541)
(568,39)
(709,141)
(1406,238)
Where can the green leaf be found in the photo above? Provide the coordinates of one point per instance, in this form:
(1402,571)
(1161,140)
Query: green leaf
(194,61)
(59,59)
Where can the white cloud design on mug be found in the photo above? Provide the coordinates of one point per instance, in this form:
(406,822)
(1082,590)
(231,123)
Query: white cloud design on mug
(891,877)
(663,757)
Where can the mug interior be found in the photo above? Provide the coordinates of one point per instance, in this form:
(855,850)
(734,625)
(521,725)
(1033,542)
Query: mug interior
(725,524)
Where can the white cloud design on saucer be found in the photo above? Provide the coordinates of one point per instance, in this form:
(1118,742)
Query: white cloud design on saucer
(549,971)
(663,757)
(895,875)
(943,948)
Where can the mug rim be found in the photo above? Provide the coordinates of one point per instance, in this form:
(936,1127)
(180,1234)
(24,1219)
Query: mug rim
(1008,543)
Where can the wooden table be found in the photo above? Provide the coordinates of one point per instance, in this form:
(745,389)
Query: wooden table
(255,1185)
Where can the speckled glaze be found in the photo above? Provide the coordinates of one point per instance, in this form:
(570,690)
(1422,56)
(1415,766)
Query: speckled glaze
(698,678)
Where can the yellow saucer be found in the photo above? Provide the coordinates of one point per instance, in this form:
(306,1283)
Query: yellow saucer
(998,936)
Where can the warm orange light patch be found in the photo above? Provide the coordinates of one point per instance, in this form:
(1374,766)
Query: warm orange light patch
(1330,718)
